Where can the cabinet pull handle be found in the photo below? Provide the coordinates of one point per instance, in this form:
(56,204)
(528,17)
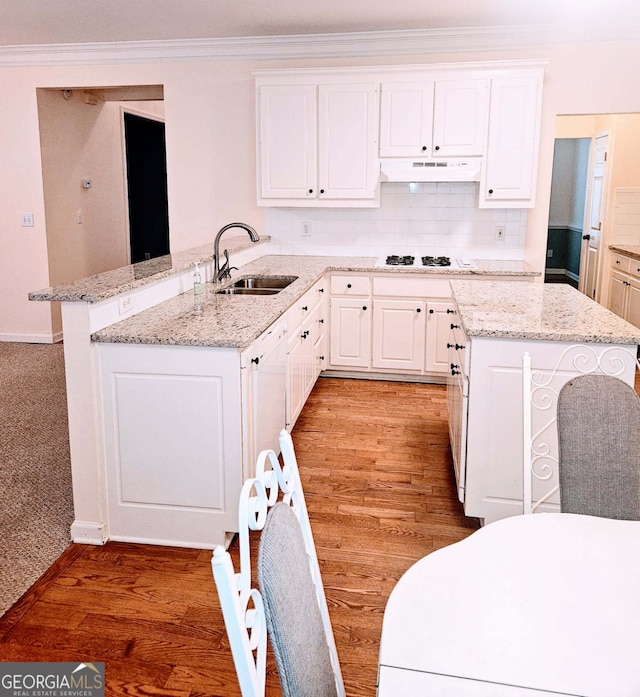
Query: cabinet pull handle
(455,372)
(455,326)
(320,290)
(322,191)
(449,345)
(305,307)
(348,285)
(459,347)
(364,307)
(454,366)
(304,334)
(310,191)
(450,311)
(321,321)
(419,310)
(321,358)
(437,147)
(490,191)
(256,360)
(424,147)
(430,311)
(588,237)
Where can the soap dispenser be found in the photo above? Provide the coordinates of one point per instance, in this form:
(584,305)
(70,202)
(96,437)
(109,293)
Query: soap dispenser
(197,281)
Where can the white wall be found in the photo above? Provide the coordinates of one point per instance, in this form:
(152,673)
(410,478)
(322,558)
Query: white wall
(210,129)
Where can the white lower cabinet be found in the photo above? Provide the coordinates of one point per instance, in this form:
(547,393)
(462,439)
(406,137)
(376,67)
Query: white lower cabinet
(181,427)
(391,325)
(624,289)
(306,342)
(485,404)
(398,335)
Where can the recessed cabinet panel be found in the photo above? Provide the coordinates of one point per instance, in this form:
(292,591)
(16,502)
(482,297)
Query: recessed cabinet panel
(398,334)
(351,332)
(512,151)
(155,431)
(347,154)
(460,118)
(406,119)
(287,141)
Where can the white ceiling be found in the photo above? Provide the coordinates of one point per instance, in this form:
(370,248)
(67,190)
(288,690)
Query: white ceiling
(26,22)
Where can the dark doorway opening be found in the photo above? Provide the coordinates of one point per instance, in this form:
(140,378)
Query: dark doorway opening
(147,187)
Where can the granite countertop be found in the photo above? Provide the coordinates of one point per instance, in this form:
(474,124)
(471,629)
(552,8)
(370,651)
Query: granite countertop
(234,321)
(110,283)
(629,250)
(545,312)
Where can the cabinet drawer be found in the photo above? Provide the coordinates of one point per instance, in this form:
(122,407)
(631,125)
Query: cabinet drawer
(303,307)
(622,263)
(634,267)
(392,286)
(350,285)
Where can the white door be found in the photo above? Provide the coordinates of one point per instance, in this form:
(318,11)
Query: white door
(406,119)
(347,141)
(287,141)
(508,176)
(398,334)
(351,332)
(460,117)
(589,256)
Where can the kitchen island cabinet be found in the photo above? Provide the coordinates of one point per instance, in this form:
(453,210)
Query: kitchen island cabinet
(133,343)
(566,334)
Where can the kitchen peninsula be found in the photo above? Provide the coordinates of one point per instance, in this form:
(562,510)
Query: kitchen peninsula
(566,334)
(167,400)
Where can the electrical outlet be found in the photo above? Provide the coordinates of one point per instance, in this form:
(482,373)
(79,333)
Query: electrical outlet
(500,232)
(549,253)
(306,229)
(79,216)
(27,220)
(125,304)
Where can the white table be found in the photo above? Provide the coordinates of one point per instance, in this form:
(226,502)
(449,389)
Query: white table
(529,605)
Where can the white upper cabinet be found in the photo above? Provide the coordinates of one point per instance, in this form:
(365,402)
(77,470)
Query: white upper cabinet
(406,119)
(511,164)
(317,144)
(441,118)
(287,141)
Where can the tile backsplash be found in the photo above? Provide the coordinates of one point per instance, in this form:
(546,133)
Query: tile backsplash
(425,218)
(626,216)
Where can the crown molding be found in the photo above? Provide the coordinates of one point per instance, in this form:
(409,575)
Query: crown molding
(346,45)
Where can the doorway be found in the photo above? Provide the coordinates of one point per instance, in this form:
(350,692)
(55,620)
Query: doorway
(146,166)
(569,183)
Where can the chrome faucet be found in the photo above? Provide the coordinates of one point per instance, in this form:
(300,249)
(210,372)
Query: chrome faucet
(220,272)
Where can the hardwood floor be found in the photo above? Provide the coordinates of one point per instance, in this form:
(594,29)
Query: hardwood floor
(376,468)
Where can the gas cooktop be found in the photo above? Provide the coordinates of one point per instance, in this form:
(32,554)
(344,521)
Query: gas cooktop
(408,261)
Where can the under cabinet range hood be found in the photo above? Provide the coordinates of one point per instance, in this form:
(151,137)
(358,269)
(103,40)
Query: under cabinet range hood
(457,169)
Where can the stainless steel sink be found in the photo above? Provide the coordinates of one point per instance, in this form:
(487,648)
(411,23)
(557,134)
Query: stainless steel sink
(258,285)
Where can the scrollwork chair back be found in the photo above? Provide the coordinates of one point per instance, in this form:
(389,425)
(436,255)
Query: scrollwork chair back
(243,606)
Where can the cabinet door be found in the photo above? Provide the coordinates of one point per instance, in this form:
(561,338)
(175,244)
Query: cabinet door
(398,334)
(512,151)
(347,141)
(438,337)
(295,377)
(633,305)
(406,119)
(460,117)
(287,133)
(618,293)
(351,332)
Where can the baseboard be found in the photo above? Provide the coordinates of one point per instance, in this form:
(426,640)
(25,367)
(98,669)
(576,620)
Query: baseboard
(32,338)
(562,272)
(85,533)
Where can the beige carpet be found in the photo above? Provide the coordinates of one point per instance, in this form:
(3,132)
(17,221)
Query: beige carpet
(36,509)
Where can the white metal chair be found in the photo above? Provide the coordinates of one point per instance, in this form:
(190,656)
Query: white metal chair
(289,577)
(550,420)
